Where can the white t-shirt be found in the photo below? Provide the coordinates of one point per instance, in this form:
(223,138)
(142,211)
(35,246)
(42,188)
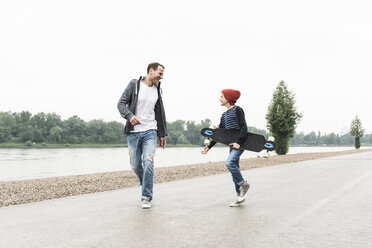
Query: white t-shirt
(145,109)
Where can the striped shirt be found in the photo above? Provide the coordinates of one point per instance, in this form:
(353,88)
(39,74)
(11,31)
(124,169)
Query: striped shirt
(230,119)
(234,118)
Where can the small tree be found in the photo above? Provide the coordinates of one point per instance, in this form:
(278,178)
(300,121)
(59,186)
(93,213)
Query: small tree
(282,117)
(356,130)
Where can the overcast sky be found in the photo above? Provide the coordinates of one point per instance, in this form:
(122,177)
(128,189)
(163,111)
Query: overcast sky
(76,57)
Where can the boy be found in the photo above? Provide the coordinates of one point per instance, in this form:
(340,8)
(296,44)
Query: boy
(233,118)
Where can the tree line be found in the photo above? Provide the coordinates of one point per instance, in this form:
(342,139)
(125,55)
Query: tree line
(282,119)
(49,128)
(332,139)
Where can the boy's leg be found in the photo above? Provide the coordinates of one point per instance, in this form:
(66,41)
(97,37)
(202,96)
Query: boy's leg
(232,164)
(148,153)
(243,188)
(237,186)
(135,150)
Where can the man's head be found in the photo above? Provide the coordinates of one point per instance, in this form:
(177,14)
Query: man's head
(155,72)
(154,66)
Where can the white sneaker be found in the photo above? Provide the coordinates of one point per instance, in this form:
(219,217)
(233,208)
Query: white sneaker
(236,203)
(146,204)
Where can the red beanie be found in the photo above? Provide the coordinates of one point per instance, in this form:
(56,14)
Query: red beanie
(231,95)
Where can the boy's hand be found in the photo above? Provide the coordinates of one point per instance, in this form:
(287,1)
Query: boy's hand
(206,149)
(235,146)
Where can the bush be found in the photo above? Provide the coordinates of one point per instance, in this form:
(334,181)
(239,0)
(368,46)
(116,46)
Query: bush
(28,143)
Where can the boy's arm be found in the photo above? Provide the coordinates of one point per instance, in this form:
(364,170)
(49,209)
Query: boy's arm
(242,125)
(214,142)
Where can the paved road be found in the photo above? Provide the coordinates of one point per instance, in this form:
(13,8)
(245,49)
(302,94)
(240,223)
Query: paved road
(318,203)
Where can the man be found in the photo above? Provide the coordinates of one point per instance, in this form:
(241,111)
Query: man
(142,106)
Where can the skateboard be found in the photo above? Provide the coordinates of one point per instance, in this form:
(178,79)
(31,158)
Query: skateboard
(253,142)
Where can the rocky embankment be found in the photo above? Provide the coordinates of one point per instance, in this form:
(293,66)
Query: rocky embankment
(26,191)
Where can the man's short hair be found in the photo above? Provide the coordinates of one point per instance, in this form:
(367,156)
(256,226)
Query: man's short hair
(154,66)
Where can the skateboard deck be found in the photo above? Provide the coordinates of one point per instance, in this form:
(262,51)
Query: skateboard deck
(253,142)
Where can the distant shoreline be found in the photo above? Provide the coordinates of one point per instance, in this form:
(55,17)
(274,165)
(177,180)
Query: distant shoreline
(124,145)
(33,190)
(56,146)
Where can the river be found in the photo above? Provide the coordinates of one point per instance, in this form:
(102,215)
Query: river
(19,164)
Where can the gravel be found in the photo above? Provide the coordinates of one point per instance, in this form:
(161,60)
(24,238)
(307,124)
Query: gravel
(26,191)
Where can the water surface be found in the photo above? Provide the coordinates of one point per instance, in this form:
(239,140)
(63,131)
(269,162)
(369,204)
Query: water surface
(16,164)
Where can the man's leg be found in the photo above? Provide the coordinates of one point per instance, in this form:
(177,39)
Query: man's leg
(135,150)
(148,153)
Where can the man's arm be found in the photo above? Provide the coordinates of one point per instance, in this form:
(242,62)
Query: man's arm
(125,98)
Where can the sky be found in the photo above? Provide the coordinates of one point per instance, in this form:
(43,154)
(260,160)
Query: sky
(75,57)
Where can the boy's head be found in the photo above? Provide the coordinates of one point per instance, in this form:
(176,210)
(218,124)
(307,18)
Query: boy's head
(231,95)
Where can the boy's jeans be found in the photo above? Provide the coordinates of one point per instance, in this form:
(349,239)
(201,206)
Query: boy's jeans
(142,147)
(232,163)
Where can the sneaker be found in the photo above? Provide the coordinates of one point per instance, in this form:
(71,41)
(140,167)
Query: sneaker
(236,203)
(146,204)
(243,192)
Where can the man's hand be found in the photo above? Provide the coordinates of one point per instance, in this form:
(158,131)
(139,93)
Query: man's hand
(163,142)
(235,146)
(134,121)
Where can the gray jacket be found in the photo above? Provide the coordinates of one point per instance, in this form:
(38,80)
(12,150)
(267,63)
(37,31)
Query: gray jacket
(127,106)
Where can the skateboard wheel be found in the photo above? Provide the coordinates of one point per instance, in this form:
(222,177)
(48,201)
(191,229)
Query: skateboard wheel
(207,142)
(212,126)
(271,138)
(266,155)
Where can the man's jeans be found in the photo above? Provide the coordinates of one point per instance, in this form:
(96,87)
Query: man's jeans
(142,147)
(232,163)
